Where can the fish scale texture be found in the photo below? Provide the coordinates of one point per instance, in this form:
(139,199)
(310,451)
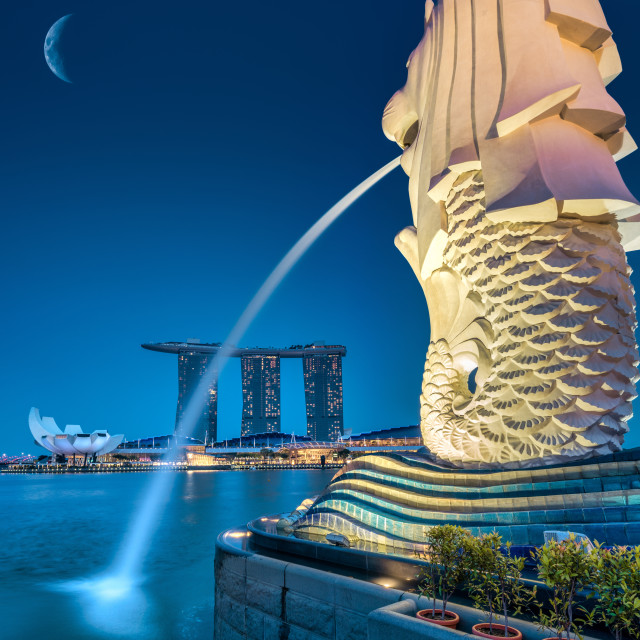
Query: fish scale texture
(559,331)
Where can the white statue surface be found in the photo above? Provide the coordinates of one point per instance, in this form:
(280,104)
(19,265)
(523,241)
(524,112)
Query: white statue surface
(520,225)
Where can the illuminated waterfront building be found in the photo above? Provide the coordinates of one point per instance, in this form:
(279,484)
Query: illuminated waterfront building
(391,437)
(71,442)
(323,395)
(260,366)
(269,448)
(260,393)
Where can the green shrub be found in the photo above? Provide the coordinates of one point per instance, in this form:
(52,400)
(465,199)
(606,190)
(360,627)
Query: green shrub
(566,568)
(616,581)
(449,563)
(494,580)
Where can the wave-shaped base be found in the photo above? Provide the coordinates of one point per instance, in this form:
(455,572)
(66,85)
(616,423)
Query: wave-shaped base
(393,499)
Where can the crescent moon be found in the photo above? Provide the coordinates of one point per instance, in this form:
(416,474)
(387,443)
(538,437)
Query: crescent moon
(51,51)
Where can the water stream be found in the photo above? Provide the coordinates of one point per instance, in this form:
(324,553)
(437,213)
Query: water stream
(123,579)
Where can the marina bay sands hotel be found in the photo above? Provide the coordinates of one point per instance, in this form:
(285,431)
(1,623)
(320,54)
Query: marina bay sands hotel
(322,372)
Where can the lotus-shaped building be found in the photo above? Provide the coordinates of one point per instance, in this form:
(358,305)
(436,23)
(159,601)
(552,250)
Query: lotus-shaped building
(72,441)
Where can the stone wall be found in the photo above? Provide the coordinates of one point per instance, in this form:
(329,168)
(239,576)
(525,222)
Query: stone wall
(262,598)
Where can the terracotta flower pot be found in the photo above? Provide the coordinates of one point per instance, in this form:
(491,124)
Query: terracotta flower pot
(482,630)
(450,619)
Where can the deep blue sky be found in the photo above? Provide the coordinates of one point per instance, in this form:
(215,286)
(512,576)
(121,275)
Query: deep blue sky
(148,200)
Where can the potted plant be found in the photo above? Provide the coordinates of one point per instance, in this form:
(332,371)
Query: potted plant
(565,567)
(448,557)
(495,586)
(616,581)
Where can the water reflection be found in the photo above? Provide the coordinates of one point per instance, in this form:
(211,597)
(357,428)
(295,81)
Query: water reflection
(49,546)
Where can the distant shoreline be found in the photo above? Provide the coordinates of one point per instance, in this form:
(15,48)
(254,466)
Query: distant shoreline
(154,468)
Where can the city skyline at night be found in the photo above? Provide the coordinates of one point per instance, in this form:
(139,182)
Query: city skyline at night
(151,196)
(207,206)
(261,389)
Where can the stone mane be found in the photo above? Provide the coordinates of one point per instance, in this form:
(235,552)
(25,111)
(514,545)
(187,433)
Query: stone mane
(521,220)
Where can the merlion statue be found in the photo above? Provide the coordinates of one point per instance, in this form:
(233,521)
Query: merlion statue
(521,221)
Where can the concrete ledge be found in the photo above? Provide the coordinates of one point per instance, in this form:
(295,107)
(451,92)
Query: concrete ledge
(311,583)
(363,597)
(390,617)
(262,598)
(398,621)
(266,569)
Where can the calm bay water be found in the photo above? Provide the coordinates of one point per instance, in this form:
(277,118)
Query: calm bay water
(58,531)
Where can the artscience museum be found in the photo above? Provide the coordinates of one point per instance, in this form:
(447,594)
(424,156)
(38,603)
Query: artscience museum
(72,441)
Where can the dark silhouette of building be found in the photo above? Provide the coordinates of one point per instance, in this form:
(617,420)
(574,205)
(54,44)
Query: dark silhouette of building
(260,393)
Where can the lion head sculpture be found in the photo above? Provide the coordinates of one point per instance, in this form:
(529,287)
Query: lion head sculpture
(521,221)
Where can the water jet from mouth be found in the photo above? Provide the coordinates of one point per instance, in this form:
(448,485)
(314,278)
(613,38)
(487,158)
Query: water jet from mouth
(127,565)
